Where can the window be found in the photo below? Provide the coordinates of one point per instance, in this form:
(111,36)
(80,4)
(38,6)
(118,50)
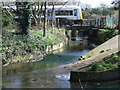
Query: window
(64,12)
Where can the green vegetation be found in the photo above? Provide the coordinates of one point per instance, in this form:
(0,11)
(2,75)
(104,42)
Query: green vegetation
(109,62)
(108,34)
(102,10)
(16,46)
(7,19)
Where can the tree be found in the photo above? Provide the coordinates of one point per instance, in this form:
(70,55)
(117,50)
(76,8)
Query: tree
(96,11)
(23,13)
(105,10)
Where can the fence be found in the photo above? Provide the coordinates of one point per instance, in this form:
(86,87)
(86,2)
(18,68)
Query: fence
(102,22)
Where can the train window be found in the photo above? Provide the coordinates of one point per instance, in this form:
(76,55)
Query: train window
(75,12)
(64,12)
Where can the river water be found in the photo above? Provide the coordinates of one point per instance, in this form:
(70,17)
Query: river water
(49,72)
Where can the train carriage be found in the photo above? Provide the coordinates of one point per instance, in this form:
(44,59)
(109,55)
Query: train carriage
(67,11)
(65,14)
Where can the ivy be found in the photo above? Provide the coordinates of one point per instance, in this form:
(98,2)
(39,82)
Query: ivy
(24,10)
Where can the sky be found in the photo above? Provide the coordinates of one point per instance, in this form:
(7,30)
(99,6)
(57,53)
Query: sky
(96,3)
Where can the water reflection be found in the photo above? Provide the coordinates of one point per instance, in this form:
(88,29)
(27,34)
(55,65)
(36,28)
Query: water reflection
(63,77)
(53,78)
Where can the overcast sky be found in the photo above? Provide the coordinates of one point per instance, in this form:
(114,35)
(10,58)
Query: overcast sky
(95,3)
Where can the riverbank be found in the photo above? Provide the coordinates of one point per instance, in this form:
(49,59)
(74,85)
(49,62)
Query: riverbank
(110,47)
(20,48)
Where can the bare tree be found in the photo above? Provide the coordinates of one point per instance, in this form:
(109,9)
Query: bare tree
(44,30)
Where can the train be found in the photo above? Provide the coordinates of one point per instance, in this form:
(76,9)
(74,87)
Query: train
(71,12)
(65,14)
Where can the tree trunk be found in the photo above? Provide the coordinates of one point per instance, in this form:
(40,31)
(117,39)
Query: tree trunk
(41,12)
(23,12)
(44,30)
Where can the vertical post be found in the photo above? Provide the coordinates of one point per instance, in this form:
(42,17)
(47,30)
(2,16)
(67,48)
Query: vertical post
(90,23)
(44,33)
(53,17)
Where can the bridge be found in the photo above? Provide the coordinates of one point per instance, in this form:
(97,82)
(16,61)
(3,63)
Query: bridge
(89,27)
(91,24)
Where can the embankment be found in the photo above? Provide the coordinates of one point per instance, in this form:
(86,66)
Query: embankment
(109,47)
(22,48)
(96,55)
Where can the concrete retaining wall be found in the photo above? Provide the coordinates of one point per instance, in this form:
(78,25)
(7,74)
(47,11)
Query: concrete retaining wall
(53,47)
(47,50)
(113,43)
(109,47)
(91,76)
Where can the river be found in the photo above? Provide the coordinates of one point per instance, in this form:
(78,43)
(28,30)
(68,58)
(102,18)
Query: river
(49,72)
